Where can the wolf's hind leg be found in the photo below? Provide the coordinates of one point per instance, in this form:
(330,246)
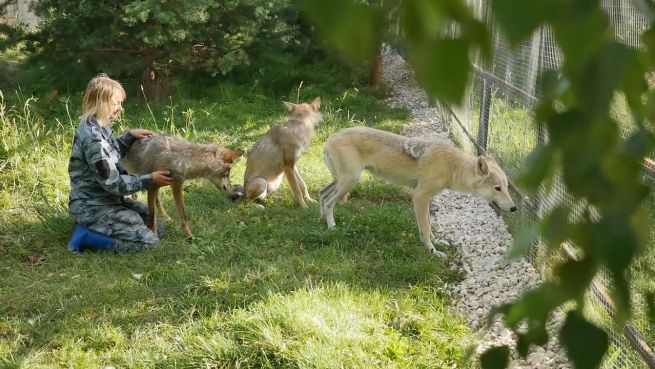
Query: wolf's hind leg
(329,187)
(162,210)
(324,193)
(344,199)
(256,189)
(343,187)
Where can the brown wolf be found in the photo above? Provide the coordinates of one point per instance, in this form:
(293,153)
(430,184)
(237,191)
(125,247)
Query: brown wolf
(428,166)
(185,161)
(277,153)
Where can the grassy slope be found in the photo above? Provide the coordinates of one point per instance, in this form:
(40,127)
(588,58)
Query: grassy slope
(257,287)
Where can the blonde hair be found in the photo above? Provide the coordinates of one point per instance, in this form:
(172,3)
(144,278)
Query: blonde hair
(97,101)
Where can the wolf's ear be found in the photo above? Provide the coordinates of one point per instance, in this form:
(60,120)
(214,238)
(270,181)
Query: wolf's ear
(229,156)
(289,105)
(481,166)
(316,104)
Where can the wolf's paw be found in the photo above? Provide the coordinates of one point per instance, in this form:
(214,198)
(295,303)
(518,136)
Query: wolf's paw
(435,252)
(309,199)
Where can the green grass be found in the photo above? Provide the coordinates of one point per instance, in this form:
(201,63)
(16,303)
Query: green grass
(260,288)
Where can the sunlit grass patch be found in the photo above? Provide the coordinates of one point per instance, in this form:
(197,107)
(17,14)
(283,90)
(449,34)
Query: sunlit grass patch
(269,287)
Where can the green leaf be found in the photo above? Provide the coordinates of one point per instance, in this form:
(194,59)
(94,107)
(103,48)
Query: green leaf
(495,358)
(441,67)
(520,18)
(634,84)
(423,19)
(584,342)
(575,276)
(523,242)
(648,41)
(650,303)
(622,298)
(605,70)
(353,29)
(554,226)
(534,305)
(579,36)
(537,167)
(522,344)
(536,335)
(478,34)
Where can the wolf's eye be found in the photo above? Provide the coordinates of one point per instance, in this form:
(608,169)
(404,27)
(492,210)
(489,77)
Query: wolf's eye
(498,188)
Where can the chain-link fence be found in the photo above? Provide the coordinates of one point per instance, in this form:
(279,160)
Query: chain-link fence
(497,117)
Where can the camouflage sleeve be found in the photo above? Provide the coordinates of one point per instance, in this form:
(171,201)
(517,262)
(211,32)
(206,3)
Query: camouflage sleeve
(103,160)
(124,142)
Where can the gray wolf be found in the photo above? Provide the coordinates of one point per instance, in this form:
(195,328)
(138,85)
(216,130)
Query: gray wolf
(276,154)
(428,166)
(185,161)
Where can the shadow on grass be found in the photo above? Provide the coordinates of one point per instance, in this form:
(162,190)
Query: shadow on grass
(57,309)
(241,255)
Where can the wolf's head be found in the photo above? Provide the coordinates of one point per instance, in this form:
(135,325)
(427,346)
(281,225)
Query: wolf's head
(219,168)
(307,112)
(491,183)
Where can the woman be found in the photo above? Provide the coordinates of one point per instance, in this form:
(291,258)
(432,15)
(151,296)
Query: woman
(99,181)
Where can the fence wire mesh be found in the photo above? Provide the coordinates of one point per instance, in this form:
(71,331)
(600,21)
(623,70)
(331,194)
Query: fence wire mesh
(497,116)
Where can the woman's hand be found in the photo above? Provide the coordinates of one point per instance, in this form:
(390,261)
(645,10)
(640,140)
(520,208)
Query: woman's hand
(162,178)
(139,133)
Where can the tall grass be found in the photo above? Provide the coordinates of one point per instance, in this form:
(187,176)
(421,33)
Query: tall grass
(256,288)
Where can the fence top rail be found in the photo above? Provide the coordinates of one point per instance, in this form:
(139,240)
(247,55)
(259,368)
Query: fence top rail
(524,94)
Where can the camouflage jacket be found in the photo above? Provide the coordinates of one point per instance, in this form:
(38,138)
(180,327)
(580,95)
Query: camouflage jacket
(96,170)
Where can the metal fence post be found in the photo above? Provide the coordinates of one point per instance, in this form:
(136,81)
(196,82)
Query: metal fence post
(483,130)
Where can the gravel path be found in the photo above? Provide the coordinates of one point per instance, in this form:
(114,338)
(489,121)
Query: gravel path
(480,236)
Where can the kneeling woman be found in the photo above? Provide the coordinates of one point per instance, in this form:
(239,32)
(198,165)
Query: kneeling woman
(99,181)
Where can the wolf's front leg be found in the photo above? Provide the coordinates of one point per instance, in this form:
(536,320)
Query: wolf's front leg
(290,173)
(153,198)
(421,202)
(303,186)
(178,196)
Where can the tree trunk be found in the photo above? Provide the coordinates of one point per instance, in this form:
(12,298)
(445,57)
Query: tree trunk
(376,69)
(154,84)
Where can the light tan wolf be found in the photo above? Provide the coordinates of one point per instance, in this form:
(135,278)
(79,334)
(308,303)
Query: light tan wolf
(428,166)
(185,161)
(276,154)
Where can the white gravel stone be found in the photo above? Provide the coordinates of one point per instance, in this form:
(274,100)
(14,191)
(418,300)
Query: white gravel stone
(479,235)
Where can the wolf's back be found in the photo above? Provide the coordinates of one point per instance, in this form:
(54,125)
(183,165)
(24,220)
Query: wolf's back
(149,155)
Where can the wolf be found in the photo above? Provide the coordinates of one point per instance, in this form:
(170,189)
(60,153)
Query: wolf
(185,161)
(276,154)
(428,166)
